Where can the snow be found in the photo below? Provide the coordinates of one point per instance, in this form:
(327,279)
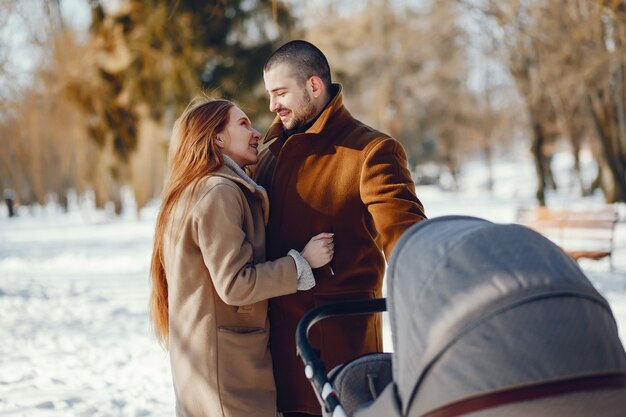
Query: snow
(74,289)
(73,303)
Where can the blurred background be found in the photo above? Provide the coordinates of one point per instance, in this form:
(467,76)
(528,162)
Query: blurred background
(89,89)
(500,104)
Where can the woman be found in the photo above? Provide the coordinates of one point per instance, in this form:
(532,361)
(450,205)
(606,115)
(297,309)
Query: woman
(210,281)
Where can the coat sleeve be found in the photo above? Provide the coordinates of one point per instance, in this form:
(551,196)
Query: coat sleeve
(228,254)
(388,192)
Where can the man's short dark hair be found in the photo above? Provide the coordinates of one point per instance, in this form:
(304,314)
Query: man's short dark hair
(304,58)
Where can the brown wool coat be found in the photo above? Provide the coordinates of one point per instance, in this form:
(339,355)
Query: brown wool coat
(344,177)
(219,283)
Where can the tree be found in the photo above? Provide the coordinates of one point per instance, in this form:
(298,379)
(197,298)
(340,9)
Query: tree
(405,72)
(567,62)
(121,86)
(147,59)
(42,153)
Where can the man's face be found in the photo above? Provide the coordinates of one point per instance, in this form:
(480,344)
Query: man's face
(288,99)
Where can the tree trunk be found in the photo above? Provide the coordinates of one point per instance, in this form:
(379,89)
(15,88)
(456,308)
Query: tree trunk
(578,177)
(488,152)
(596,183)
(9,199)
(452,164)
(63,201)
(618,100)
(547,167)
(614,162)
(537,151)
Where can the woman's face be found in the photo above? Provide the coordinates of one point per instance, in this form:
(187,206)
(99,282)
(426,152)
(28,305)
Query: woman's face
(239,140)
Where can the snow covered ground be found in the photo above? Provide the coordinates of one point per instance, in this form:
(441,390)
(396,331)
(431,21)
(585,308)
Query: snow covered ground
(75,339)
(73,302)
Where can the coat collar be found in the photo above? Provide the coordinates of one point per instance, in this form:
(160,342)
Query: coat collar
(276,129)
(230,170)
(240,174)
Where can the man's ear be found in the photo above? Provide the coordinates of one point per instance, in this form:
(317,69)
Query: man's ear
(317,86)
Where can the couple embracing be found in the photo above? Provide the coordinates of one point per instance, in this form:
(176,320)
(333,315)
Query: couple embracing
(247,242)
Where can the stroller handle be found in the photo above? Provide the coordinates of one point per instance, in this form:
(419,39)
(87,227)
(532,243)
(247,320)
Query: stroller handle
(314,368)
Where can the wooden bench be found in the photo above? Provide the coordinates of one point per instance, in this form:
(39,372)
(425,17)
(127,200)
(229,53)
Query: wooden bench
(580,233)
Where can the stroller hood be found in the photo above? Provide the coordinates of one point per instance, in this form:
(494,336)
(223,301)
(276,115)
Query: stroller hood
(477,307)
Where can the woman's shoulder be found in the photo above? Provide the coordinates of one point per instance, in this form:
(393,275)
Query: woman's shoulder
(215,184)
(211,182)
(214,189)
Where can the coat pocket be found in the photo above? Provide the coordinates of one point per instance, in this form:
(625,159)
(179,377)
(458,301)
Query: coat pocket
(241,330)
(245,375)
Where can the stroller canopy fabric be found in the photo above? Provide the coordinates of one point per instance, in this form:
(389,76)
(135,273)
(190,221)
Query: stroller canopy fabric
(476,307)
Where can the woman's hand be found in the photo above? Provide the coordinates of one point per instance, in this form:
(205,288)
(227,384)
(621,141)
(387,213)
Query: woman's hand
(319,251)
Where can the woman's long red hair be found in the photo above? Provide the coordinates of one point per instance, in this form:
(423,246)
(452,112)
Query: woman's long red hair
(193,154)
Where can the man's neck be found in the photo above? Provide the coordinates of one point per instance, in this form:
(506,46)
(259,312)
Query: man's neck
(302,128)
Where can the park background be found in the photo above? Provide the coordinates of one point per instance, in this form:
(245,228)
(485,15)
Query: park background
(500,105)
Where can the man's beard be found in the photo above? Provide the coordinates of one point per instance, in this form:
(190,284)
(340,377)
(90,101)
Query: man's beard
(306,113)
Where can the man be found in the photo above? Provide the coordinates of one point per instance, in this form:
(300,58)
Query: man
(327,172)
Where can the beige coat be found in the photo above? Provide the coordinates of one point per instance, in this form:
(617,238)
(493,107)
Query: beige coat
(219,283)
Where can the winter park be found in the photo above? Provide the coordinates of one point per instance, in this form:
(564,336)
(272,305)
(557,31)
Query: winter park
(508,111)
(74,295)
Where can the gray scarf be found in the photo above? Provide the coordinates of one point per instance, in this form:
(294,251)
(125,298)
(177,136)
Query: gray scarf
(239,171)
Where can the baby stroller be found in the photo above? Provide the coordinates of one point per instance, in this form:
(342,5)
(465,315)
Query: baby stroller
(486,320)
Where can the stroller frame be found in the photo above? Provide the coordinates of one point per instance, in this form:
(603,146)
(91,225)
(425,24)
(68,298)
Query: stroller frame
(314,367)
